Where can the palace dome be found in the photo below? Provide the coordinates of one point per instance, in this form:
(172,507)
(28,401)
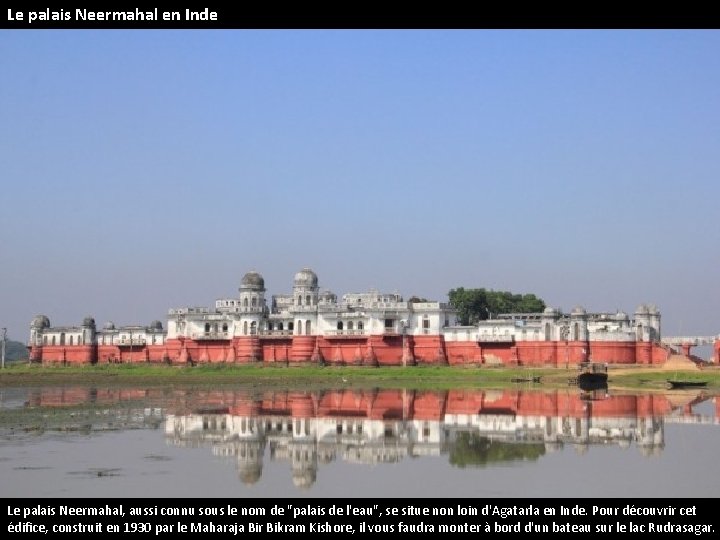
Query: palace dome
(41,321)
(253,280)
(306,278)
(89,321)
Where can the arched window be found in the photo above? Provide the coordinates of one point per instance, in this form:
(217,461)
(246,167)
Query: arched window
(44,340)
(245,328)
(280,326)
(299,300)
(225,327)
(62,339)
(299,328)
(254,302)
(360,325)
(71,340)
(340,325)
(547,331)
(639,332)
(253,328)
(307,300)
(350,325)
(291,327)
(576,332)
(53,340)
(245,302)
(207,328)
(307,327)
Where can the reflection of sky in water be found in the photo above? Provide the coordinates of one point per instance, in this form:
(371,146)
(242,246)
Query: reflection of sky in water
(131,456)
(12,398)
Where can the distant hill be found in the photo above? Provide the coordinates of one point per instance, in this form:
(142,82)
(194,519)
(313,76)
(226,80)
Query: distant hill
(15,351)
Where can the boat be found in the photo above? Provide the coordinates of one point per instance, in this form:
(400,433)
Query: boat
(686,384)
(591,375)
(526,379)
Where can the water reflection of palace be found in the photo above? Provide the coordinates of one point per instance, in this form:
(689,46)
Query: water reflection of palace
(472,427)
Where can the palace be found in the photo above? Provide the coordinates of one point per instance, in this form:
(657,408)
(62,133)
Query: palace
(311,325)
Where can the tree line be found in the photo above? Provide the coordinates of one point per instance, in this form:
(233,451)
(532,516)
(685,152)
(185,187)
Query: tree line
(475,305)
(15,351)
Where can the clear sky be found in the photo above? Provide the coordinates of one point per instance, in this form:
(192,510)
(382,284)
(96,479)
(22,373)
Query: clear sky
(142,170)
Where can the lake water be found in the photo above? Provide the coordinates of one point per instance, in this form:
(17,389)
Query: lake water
(348,442)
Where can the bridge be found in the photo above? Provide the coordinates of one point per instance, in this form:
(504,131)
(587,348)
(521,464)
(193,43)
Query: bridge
(685,343)
(693,341)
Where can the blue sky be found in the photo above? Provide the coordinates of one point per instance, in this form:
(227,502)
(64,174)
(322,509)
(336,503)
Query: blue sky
(143,170)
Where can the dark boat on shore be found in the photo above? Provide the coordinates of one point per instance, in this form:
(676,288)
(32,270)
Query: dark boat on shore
(686,384)
(591,376)
(526,379)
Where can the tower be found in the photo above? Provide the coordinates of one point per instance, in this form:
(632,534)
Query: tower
(305,288)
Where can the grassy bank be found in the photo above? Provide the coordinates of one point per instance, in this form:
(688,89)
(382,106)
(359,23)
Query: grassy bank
(657,378)
(313,376)
(263,375)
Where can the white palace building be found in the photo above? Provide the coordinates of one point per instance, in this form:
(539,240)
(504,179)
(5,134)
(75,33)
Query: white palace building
(312,325)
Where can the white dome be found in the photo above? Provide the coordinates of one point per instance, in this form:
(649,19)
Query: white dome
(306,278)
(253,280)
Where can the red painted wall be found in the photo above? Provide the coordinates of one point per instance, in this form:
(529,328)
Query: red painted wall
(383,350)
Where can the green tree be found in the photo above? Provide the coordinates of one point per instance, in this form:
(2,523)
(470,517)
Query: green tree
(475,305)
(529,303)
(15,351)
(471,304)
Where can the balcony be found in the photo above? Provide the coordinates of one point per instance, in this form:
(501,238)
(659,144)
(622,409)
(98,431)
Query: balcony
(211,336)
(302,309)
(276,333)
(496,338)
(393,311)
(246,309)
(344,333)
(134,342)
